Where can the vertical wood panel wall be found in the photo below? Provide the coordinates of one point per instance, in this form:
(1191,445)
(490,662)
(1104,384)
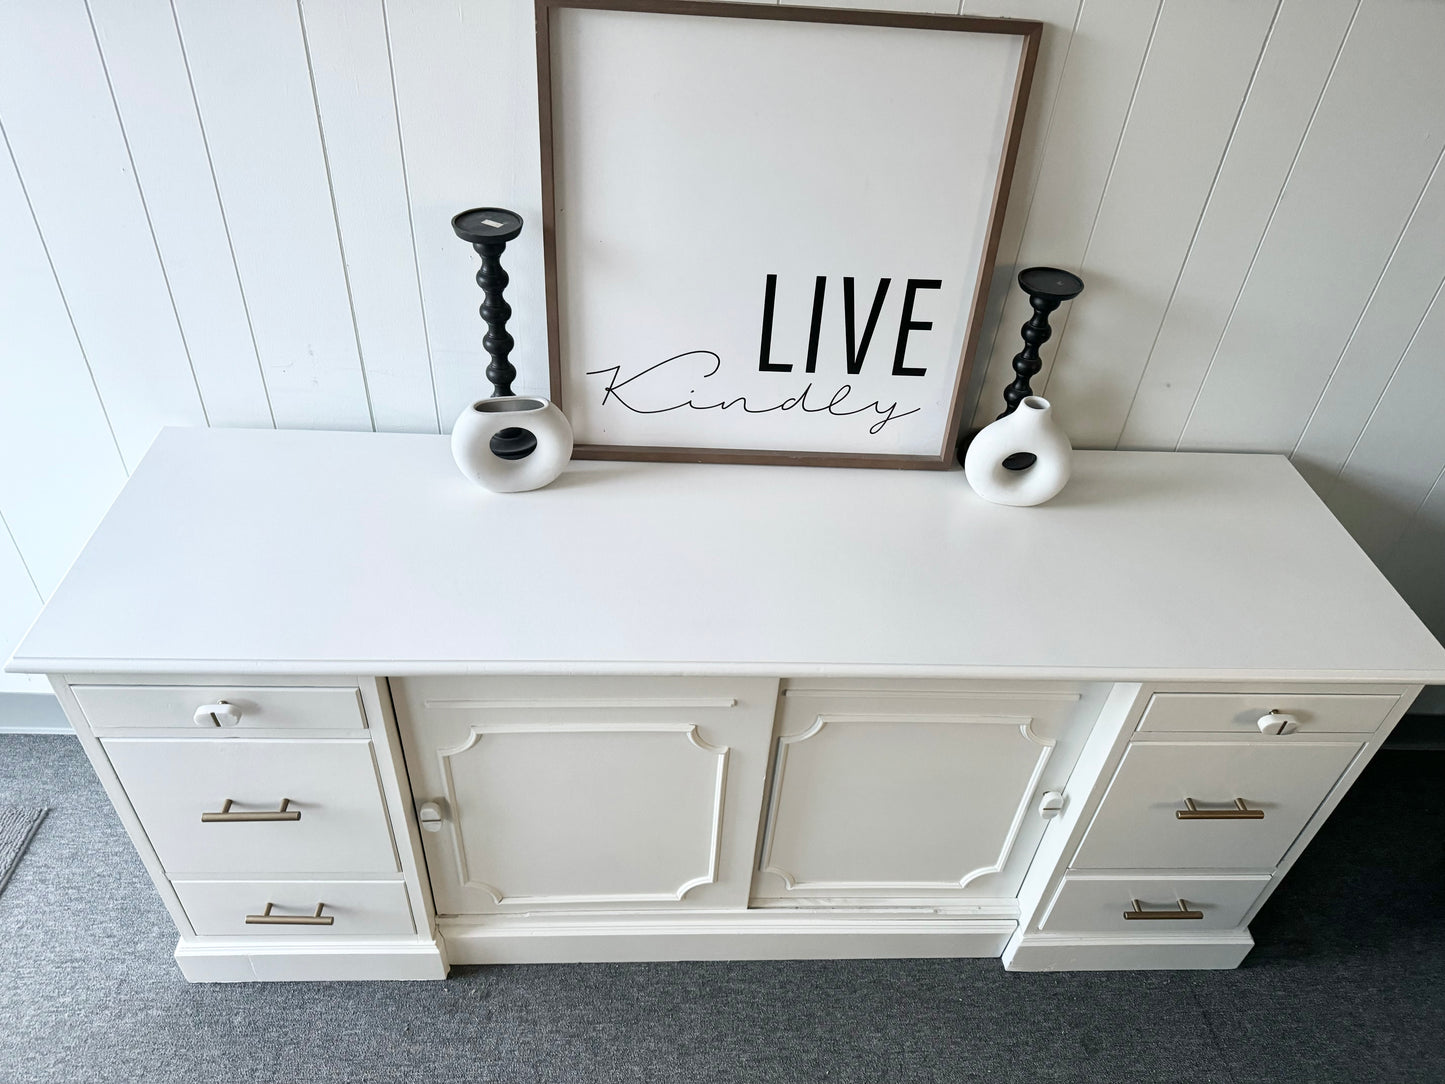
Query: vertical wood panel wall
(238,215)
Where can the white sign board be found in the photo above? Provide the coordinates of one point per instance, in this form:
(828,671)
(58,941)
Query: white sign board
(770,231)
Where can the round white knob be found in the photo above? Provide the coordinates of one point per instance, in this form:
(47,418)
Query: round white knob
(218,714)
(1277,722)
(1051,804)
(431,816)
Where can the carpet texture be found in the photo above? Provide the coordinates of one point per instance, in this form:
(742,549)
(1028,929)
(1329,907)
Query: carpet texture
(1347,984)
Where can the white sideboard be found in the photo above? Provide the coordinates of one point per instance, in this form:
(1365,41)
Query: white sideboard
(364,720)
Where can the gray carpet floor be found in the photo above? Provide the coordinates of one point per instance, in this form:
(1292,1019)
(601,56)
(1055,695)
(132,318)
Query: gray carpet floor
(1347,983)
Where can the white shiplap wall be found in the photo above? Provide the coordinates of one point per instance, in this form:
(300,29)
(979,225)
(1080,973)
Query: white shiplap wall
(237,214)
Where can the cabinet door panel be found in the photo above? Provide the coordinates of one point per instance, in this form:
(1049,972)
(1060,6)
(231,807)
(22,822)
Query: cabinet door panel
(588,793)
(906,792)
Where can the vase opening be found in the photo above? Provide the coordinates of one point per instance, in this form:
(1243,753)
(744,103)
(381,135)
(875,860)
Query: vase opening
(1034,402)
(515,405)
(1019,461)
(513,443)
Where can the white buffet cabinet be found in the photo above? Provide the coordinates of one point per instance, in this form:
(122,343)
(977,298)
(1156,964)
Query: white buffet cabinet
(364,720)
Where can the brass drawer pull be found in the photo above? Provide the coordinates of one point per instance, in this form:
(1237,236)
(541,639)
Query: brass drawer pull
(1240,812)
(266,918)
(226,816)
(1139,912)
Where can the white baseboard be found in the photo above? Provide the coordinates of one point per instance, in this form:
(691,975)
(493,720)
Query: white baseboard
(1084,952)
(476,942)
(227,960)
(32,713)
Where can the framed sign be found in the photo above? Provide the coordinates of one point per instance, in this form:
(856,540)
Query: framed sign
(769,231)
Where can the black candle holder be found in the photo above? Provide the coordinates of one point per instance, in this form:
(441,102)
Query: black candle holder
(488,229)
(1048,288)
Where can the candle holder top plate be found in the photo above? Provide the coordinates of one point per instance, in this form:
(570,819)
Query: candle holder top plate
(487,225)
(1053,283)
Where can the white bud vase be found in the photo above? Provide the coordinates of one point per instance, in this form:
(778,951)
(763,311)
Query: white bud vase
(1029,429)
(472,443)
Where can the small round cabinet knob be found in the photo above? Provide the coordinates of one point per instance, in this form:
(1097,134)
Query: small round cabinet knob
(1051,804)
(431,815)
(1277,722)
(218,714)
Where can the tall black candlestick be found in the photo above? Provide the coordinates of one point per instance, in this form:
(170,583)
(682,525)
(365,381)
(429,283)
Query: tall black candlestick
(1048,288)
(488,229)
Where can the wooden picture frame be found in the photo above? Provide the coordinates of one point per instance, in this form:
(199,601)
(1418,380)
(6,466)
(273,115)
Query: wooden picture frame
(880,146)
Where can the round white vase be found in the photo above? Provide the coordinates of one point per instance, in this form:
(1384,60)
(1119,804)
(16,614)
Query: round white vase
(484,419)
(1030,429)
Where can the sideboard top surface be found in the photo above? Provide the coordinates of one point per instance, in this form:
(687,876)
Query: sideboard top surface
(264,552)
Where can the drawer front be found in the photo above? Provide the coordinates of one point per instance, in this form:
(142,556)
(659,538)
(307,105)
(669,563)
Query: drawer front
(1239,713)
(1136,826)
(342,825)
(356,908)
(1099,904)
(113,707)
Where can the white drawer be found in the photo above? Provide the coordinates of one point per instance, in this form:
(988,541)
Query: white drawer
(356,908)
(113,707)
(1099,904)
(1239,713)
(342,827)
(1137,826)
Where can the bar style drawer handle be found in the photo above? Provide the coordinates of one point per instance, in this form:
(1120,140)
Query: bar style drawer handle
(226,816)
(1139,912)
(266,918)
(1240,812)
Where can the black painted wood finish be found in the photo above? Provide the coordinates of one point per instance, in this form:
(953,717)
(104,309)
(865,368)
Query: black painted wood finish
(1048,288)
(488,229)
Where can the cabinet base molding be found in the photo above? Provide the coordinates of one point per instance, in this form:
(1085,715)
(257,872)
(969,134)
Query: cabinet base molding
(748,937)
(1085,952)
(338,961)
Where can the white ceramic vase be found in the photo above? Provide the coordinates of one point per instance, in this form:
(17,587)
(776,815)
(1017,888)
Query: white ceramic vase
(472,439)
(1029,429)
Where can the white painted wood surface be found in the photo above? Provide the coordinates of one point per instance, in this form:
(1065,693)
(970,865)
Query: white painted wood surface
(1336,269)
(358,908)
(1280,332)
(1239,713)
(1148,564)
(342,828)
(162,128)
(1096,904)
(1186,103)
(1284,92)
(253,84)
(82,188)
(1136,826)
(170,707)
(51,417)
(1095,94)
(350,59)
(572,794)
(908,791)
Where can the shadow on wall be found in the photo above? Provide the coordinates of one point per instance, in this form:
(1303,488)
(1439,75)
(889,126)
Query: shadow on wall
(1406,540)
